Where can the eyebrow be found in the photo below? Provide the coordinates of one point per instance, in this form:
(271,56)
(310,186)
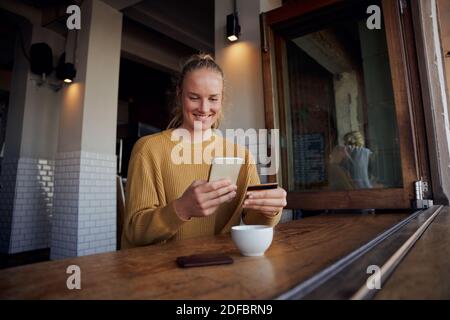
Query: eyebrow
(211,95)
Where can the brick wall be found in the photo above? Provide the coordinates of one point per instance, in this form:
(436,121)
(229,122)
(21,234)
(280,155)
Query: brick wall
(26,204)
(84,219)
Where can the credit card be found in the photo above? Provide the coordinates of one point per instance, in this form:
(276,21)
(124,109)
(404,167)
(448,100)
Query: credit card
(263,186)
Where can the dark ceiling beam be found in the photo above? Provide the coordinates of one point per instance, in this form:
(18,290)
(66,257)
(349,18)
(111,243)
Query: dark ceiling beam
(53,14)
(57,13)
(28,12)
(121,4)
(168,28)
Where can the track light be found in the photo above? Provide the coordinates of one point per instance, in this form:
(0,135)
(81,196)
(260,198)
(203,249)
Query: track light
(65,70)
(233,27)
(69,72)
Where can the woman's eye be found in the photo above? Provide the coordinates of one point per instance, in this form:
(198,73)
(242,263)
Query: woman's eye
(213,99)
(193,98)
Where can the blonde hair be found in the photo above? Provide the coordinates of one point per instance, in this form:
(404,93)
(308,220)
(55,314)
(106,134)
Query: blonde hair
(354,139)
(195,62)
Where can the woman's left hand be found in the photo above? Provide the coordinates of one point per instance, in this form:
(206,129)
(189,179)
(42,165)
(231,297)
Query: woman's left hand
(268,202)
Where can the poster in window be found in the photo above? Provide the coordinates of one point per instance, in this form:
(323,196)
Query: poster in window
(309,160)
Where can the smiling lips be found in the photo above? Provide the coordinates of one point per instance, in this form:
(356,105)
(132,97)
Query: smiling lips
(202,117)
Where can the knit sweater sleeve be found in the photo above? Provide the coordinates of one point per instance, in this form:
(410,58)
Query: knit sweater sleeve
(148,219)
(250,216)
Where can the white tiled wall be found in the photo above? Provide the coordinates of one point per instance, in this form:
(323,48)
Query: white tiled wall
(7,195)
(27,203)
(84,205)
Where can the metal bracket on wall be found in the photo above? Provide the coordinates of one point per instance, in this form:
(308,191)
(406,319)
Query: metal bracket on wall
(420,188)
(264,40)
(43,81)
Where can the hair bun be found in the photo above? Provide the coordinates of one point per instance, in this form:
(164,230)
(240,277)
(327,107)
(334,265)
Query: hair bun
(205,56)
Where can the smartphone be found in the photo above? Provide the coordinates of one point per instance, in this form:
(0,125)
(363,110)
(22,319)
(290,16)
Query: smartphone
(222,168)
(263,186)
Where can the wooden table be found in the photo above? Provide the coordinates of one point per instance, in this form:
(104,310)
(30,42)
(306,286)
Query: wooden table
(425,271)
(300,249)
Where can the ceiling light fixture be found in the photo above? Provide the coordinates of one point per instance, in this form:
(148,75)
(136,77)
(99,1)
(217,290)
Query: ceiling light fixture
(233,27)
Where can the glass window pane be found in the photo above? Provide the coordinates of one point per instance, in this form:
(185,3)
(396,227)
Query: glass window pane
(342,129)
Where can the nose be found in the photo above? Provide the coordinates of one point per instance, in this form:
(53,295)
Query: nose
(204,106)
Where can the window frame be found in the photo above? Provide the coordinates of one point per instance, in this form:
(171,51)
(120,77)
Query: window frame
(407,97)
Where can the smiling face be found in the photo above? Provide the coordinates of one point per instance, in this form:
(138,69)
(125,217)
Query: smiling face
(201,98)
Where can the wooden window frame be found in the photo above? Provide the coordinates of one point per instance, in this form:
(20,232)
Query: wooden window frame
(408,108)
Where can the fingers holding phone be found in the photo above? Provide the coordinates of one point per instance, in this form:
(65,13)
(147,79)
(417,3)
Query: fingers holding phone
(216,189)
(213,194)
(202,198)
(267,200)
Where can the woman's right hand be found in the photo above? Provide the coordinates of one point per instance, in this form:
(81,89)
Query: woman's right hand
(202,198)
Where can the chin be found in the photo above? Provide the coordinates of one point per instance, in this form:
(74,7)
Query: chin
(205,124)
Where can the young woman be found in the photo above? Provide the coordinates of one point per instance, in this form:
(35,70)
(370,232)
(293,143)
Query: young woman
(166,200)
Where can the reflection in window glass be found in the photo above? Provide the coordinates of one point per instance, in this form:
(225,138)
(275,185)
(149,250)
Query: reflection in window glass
(342,125)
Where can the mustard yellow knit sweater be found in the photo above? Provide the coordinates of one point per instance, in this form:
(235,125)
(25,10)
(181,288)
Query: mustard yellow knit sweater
(155,181)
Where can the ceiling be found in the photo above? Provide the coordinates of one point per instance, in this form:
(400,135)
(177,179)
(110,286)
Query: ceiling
(46,3)
(190,22)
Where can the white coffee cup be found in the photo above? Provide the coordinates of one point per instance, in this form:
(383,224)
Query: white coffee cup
(252,240)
